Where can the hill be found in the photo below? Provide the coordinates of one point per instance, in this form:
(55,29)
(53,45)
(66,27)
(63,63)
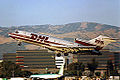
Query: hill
(83,30)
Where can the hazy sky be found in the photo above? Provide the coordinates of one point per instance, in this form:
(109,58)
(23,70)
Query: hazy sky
(31,12)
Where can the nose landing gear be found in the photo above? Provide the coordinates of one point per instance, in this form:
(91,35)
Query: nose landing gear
(19,44)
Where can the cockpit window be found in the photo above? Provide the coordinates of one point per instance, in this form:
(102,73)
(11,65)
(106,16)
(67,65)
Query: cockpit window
(16,32)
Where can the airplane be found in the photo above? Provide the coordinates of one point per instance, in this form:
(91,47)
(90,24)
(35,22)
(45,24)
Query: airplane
(49,76)
(62,46)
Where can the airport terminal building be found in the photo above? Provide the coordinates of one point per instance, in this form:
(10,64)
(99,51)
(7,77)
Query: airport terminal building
(101,59)
(32,60)
(37,61)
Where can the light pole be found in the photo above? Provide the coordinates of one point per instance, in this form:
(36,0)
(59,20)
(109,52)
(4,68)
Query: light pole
(13,70)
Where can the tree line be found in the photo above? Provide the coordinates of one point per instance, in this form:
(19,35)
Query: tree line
(10,69)
(76,69)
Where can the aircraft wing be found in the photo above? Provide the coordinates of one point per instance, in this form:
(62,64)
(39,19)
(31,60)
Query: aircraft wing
(64,50)
(76,50)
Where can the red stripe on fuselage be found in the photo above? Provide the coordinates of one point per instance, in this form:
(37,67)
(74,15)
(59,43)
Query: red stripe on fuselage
(27,39)
(83,43)
(19,35)
(36,41)
(30,40)
(87,44)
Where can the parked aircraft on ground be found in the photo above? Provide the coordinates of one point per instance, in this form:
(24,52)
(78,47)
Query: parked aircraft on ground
(49,76)
(62,46)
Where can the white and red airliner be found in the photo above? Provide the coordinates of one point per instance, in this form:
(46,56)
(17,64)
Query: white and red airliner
(62,46)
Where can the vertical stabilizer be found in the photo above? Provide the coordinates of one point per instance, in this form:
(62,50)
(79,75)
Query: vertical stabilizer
(99,42)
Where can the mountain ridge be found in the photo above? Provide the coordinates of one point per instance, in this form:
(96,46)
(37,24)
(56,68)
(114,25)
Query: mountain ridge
(83,30)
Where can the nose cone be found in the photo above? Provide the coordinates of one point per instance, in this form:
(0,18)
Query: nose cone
(13,34)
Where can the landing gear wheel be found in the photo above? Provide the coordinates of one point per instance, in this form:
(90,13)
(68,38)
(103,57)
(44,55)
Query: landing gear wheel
(19,44)
(65,54)
(58,55)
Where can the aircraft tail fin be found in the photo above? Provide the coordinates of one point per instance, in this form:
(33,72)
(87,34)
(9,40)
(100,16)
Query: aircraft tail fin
(99,42)
(61,69)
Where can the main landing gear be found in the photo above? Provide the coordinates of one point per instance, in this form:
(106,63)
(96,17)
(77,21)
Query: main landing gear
(60,54)
(65,54)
